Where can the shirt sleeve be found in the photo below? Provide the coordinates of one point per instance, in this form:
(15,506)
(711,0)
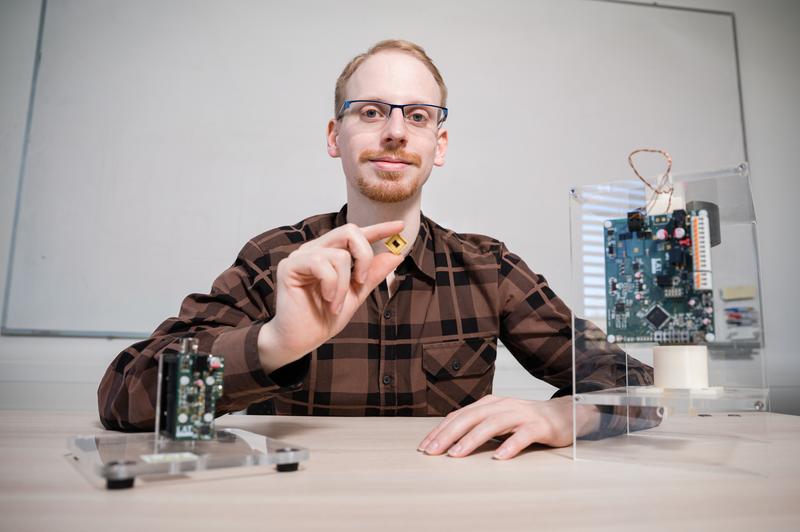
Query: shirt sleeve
(226,322)
(536,327)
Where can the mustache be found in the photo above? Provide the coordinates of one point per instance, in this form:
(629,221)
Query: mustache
(400,154)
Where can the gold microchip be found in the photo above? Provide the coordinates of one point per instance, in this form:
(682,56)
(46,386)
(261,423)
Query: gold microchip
(396,243)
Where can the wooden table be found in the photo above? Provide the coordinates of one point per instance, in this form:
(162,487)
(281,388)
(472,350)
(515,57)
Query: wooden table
(365,474)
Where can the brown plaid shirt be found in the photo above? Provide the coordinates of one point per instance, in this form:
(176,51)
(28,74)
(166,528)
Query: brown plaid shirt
(427,350)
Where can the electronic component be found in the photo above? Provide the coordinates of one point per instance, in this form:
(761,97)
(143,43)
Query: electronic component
(701,251)
(657,317)
(190,383)
(658,278)
(635,221)
(396,244)
(734,293)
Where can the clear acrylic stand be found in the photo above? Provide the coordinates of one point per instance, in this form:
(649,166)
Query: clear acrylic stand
(720,424)
(117,460)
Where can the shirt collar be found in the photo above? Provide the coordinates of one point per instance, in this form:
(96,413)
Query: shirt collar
(421,254)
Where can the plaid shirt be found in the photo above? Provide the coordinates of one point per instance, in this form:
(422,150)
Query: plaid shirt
(427,350)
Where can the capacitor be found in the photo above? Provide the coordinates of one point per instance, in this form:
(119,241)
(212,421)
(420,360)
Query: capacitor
(679,232)
(638,275)
(709,310)
(183,418)
(198,383)
(215,363)
(208,417)
(184,380)
(661,234)
(692,302)
(638,296)
(210,380)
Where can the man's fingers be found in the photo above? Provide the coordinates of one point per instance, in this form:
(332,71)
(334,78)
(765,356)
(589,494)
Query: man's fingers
(486,399)
(320,267)
(460,424)
(327,266)
(384,230)
(368,235)
(341,261)
(492,426)
(357,240)
(517,442)
(382,265)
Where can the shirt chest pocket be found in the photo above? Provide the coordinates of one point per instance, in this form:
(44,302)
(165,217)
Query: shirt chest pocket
(458,373)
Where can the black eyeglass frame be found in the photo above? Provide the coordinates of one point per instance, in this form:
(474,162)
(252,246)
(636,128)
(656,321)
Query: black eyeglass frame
(392,106)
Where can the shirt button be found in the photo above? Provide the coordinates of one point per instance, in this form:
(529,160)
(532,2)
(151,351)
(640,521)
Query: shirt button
(456,365)
(387,380)
(387,314)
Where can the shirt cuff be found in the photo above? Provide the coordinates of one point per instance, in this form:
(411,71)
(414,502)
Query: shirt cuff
(244,374)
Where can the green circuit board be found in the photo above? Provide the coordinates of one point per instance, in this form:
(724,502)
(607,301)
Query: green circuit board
(658,278)
(191,384)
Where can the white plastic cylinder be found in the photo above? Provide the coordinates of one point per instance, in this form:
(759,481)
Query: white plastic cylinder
(680,366)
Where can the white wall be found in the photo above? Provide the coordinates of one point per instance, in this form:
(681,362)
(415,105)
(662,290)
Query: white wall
(44,373)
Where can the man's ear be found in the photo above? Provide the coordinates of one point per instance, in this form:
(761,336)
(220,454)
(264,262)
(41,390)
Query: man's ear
(441,147)
(333,132)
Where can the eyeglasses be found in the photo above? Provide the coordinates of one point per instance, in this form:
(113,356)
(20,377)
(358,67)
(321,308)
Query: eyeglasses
(422,115)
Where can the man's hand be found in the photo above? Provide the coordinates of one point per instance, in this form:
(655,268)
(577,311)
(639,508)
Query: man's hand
(320,286)
(527,422)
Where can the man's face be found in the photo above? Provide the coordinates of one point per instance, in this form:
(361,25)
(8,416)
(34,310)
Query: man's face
(388,161)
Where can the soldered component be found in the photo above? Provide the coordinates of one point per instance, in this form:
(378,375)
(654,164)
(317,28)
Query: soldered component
(701,251)
(396,244)
(190,383)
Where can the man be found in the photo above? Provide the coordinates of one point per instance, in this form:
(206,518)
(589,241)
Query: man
(319,319)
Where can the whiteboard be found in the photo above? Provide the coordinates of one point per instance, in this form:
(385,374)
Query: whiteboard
(164,135)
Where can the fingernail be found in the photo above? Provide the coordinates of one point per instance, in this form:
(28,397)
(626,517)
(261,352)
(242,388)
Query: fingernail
(500,454)
(421,446)
(432,446)
(455,450)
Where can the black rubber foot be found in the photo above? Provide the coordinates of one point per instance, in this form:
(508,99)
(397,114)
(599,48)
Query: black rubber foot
(284,468)
(119,483)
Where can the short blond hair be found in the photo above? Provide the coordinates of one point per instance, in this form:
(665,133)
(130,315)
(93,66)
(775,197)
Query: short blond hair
(407,47)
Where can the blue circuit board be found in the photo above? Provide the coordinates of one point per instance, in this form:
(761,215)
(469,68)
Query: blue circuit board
(658,278)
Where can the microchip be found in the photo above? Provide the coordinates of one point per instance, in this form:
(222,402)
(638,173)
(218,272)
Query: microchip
(396,243)
(675,292)
(620,306)
(635,221)
(657,317)
(676,256)
(679,217)
(664,280)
